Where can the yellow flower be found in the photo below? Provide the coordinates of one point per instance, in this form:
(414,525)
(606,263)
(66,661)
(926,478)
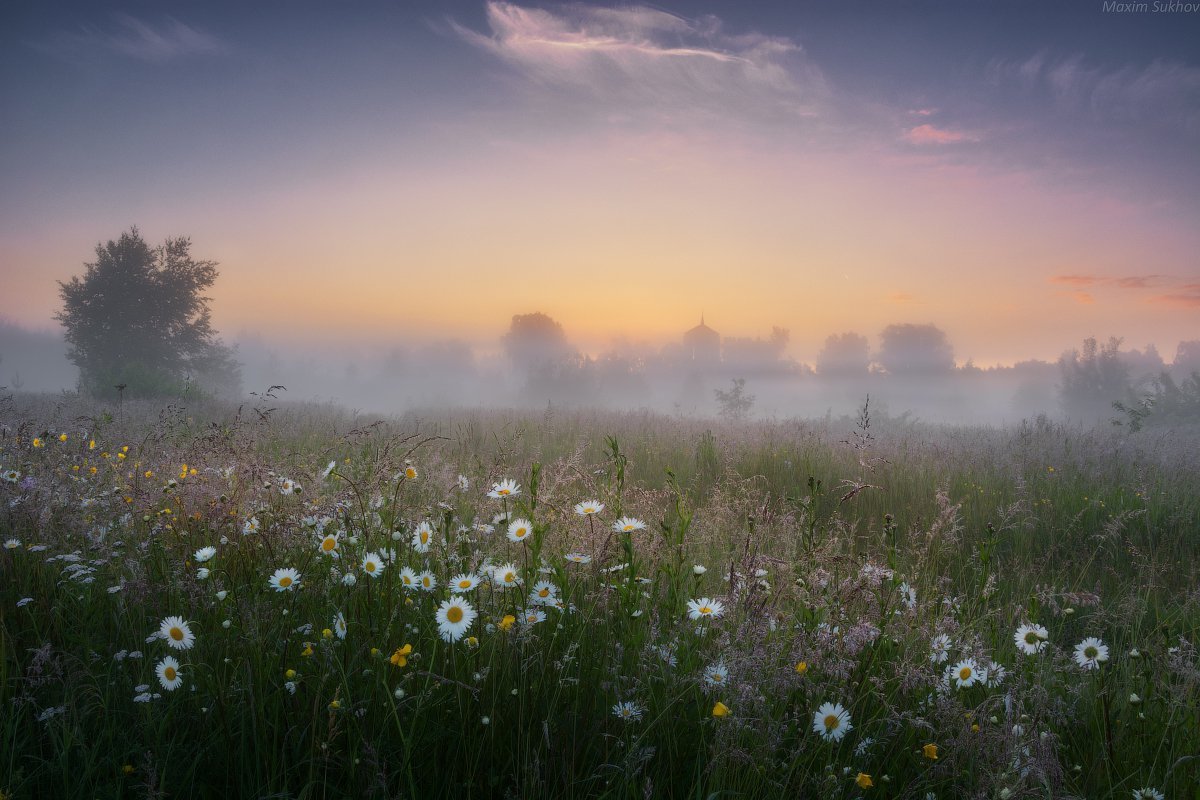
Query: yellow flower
(62,437)
(38,442)
(334,705)
(720,710)
(930,751)
(400,657)
(802,668)
(183,471)
(91,444)
(289,674)
(410,472)
(328,634)
(127,769)
(374,651)
(472,641)
(75,468)
(975,728)
(864,781)
(507,622)
(307,651)
(149,473)
(120,456)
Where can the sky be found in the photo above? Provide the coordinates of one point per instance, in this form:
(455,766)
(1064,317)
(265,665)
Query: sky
(1021,174)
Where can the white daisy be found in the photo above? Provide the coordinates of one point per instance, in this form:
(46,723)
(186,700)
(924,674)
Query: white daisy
(716,675)
(177,633)
(328,544)
(506,575)
(168,674)
(408,578)
(505,488)
(628,525)
(534,616)
(250,526)
(832,722)
(908,595)
(12,544)
(339,625)
(578,558)
(1030,639)
(422,537)
(705,608)
(372,564)
(204,554)
(628,711)
(464,483)
(519,530)
(1148,793)
(454,617)
(285,579)
(544,593)
(939,649)
(589,507)
(427,581)
(289,486)
(1091,653)
(325,473)
(463,583)
(965,673)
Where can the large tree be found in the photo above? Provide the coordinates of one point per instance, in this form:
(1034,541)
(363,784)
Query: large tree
(138,319)
(915,351)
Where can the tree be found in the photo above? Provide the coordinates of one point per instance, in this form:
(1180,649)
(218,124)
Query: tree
(1093,379)
(534,340)
(844,355)
(735,404)
(915,350)
(138,318)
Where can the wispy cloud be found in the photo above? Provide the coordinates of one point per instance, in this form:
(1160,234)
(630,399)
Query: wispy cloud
(1159,93)
(931,134)
(1187,296)
(637,54)
(134,38)
(1138,281)
(1075,280)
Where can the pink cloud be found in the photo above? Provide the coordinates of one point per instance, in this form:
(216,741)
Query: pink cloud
(929,134)
(1075,280)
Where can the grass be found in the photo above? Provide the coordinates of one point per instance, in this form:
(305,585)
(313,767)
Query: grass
(809,533)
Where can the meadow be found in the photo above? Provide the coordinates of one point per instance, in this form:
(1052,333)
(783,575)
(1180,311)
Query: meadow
(296,601)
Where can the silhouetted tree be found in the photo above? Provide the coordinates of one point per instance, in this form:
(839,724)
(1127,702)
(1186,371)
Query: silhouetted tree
(1187,359)
(535,339)
(139,317)
(735,404)
(1093,379)
(845,355)
(915,350)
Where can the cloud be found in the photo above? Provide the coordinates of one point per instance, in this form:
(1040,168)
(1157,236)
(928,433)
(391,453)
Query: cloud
(134,38)
(1137,281)
(1187,297)
(1083,298)
(1164,93)
(643,55)
(1075,280)
(929,134)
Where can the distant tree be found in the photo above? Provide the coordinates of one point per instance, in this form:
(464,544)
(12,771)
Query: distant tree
(535,339)
(138,317)
(844,355)
(1093,379)
(1187,359)
(915,350)
(735,404)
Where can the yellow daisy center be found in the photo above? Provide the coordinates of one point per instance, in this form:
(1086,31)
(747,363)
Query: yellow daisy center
(410,473)
(831,722)
(1031,638)
(464,584)
(705,610)
(509,577)
(176,634)
(627,528)
(964,673)
(544,593)
(369,566)
(454,614)
(1091,652)
(329,544)
(424,537)
(502,492)
(520,533)
(285,581)
(169,673)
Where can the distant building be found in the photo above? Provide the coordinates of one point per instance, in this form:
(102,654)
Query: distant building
(702,344)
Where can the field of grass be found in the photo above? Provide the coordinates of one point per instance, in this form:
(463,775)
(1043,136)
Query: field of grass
(817,608)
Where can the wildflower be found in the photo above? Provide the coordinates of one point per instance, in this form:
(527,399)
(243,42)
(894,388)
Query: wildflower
(335,704)
(307,651)
(930,751)
(507,622)
(454,616)
(578,558)
(408,578)
(625,524)
(372,565)
(505,488)
(801,667)
(202,573)
(422,537)
(507,576)
(1091,653)
(518,529)
(705,607)
(939,649)
(543,593)
(400,657)
(11,475)
(966,673)
(328,544)
(1147,793)
(716,675)
(339,625)
(464,483)
(628,711)
(285,579)
(12,544)
(864,781)
(168,674)
(535,616)
(410,472)
(427,580)
(177,633)
(1134,700)
(832,722)
(460,584)
(1030,639)
(325,473)
(720,710)
(250,526)
(994,675)
(589,507)
(290,686)
(289,486)
(908,595)
(24,601)
(38,442)
(699,569)
(349,579)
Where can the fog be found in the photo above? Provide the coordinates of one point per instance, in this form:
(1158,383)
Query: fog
(905,369)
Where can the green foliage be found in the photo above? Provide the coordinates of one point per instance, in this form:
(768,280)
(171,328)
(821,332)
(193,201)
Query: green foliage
(138,320)
(734,405)
(1092,380)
